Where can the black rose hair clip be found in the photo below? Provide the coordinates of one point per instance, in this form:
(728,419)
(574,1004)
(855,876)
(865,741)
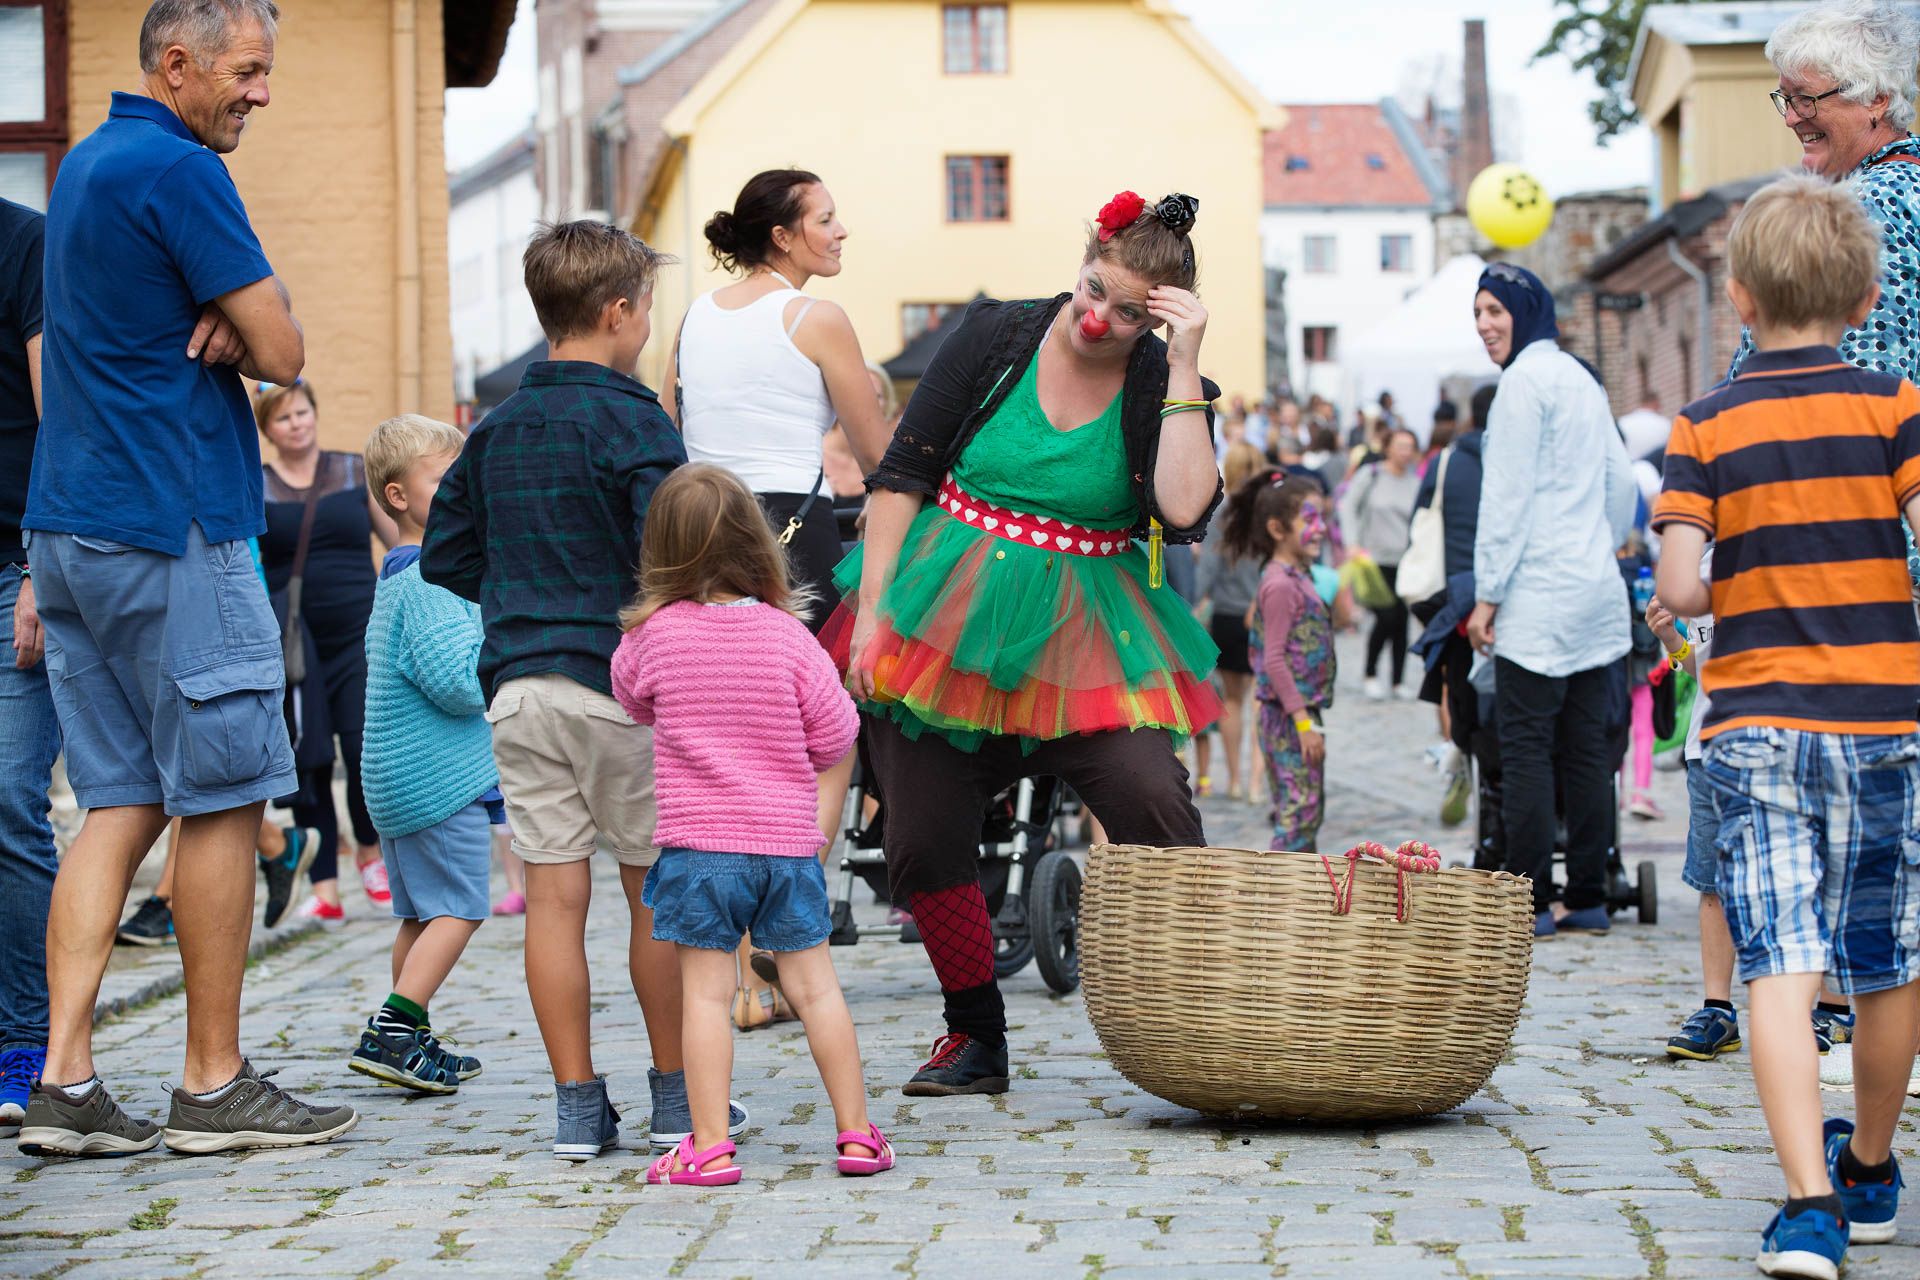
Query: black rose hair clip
(1177,212)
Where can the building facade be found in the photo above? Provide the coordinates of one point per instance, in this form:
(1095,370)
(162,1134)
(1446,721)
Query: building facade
(610,70)
(963,160)
(342,174)
(1349,200)
(494,206)
(1668,332)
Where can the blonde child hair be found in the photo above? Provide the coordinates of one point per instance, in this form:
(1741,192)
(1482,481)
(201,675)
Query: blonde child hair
(707,535)
(1805,249)
(398,443)
(1242,461)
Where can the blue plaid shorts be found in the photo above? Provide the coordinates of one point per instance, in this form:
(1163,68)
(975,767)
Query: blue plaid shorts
(1819,855)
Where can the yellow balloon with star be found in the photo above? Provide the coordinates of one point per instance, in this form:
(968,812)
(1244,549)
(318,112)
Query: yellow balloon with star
(1508,205)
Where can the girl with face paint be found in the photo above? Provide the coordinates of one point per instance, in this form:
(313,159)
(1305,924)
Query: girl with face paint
(1277,518)
(1014,625)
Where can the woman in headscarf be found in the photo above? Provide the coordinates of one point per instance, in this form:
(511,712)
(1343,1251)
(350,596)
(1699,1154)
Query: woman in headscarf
(1556,500)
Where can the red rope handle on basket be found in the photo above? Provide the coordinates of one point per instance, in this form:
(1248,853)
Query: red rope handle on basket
(1414,855)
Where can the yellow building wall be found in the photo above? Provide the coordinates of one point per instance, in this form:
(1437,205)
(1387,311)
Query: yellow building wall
(1099,97)
(1726,129)
(319,169)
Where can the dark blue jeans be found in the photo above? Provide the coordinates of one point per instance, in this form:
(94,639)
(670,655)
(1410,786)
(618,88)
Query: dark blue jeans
(29,741)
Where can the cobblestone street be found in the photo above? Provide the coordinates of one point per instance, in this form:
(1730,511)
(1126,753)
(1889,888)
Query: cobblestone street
(1589,1154)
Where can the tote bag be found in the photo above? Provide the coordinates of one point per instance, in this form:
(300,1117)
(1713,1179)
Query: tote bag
(1423,569)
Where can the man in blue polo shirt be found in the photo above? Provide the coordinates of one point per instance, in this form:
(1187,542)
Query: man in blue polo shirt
(164,655)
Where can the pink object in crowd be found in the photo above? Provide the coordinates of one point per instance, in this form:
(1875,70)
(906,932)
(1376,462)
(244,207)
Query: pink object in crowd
(747,710)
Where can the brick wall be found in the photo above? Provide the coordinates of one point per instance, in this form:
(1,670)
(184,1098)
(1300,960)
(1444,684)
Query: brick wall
(1654,353)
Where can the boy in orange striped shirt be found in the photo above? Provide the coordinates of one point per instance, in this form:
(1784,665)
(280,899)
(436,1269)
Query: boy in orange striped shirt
(1799,470)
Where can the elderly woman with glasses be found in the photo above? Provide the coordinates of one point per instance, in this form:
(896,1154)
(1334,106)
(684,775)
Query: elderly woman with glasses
(1846,92)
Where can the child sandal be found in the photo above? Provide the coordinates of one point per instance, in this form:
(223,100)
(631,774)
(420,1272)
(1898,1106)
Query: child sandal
(692,1172)
(865,1166)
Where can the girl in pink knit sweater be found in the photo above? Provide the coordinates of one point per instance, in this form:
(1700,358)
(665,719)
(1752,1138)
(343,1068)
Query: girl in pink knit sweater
(747,711)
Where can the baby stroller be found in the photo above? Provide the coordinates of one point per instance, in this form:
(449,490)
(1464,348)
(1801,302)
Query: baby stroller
(1031,885)
(1641,893)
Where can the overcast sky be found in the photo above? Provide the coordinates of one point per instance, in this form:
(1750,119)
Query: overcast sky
(1350,51)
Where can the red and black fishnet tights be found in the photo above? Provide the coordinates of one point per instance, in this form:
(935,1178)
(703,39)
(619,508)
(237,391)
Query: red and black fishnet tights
(958,934)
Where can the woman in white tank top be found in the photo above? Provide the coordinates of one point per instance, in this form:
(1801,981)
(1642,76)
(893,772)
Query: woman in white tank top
(763,371)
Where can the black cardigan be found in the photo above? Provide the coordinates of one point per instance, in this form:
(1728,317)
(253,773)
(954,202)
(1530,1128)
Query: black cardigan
(976,368)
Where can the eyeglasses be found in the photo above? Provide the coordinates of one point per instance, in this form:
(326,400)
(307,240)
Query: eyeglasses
(1805,105)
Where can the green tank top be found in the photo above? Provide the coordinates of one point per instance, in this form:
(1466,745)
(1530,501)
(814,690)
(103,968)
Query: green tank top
(1021,461)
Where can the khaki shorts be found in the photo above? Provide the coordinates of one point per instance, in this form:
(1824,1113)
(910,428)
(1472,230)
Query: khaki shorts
(576,772)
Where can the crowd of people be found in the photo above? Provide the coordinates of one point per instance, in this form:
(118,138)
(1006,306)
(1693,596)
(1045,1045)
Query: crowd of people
(615,620)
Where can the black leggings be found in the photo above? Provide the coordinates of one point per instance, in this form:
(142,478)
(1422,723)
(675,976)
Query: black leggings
(936,795)
(316,809)
(1389,628)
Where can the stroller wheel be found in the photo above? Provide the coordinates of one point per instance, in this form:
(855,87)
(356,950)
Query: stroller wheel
(1053,908)
(1649,894)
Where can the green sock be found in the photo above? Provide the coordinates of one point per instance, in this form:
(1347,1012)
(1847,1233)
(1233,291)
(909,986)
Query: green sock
(399,1015)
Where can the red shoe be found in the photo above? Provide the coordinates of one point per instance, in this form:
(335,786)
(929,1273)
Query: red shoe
(323,911)
(373,878)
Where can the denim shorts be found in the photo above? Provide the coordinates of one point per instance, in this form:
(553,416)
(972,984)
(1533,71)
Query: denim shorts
(1701,872)
(1819,855)
(166,673)
(709,900)
(442,870)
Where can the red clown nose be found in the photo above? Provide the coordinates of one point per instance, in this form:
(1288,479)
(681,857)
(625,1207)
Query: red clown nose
(1092,327)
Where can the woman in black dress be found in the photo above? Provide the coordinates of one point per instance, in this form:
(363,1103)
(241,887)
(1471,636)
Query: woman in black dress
(336,598)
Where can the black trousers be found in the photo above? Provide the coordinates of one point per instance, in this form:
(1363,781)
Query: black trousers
(1563,725)
(936,795)
(1389,631)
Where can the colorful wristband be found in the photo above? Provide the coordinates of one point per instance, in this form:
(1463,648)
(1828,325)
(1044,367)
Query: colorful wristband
(1680,655)
(1304,724)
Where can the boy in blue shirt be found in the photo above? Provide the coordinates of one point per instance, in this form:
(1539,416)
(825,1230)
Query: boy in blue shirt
(427,764)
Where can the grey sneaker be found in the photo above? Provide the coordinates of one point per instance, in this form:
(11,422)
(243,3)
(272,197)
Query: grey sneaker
(251,1112)
(58,1124)
(588,1123)
(673,1118)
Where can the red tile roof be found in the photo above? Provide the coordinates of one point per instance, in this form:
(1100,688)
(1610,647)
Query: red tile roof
(1326,155)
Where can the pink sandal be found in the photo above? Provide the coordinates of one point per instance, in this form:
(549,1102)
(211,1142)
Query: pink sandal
(865,1166)
(692,1173)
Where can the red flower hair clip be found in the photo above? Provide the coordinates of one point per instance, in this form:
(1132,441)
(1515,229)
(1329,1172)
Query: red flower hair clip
(1119,213)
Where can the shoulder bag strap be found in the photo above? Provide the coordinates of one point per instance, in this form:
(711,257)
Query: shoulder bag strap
(799,518)
(679,387)
(1439,502)
(292,649)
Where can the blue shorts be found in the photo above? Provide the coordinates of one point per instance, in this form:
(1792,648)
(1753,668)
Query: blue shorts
(1819,856)
(166,673)
(442,870)
(709,900)
(1701,872)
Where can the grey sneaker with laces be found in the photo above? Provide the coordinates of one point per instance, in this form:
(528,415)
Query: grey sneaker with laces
(251,1112)
(58,1124)
(588,1124)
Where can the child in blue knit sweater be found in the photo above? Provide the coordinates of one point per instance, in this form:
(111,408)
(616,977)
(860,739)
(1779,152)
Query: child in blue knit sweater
(426,765)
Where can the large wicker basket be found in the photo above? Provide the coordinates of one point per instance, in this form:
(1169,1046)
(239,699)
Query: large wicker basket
(1224,980)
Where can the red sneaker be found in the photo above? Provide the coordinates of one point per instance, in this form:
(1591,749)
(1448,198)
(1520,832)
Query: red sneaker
(373,878)
(317,908)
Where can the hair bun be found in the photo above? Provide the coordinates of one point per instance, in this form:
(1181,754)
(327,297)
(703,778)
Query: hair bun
(1177,212)
(722,232)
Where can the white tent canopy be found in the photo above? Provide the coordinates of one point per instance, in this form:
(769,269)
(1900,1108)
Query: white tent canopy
(1427,340)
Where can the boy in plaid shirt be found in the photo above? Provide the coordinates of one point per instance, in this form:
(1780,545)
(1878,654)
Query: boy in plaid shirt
(539,521)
